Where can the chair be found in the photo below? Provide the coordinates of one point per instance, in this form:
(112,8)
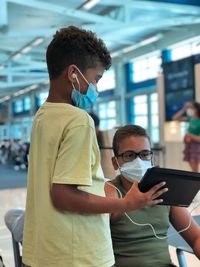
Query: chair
(179,243)
(17,252)
(14,220)
(1,262)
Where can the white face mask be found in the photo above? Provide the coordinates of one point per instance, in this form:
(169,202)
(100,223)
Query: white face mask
(135,170)
(190,112)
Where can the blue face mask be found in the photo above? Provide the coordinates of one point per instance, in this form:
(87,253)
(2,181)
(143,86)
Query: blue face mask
(84,101)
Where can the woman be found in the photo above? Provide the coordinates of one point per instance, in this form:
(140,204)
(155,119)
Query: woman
(191,113)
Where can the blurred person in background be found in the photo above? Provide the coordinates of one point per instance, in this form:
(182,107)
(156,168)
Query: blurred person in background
(191,113)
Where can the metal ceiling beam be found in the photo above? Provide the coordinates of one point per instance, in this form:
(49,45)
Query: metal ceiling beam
(24,74)
(5,85)
(163,24)
(152,5)
(65,11)
(173,7)
(3,14)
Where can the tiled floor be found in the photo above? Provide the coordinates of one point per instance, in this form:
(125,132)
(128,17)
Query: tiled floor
(15,198)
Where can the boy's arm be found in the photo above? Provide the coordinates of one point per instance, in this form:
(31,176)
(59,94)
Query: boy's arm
(69,198)
(111,192)
(180,219)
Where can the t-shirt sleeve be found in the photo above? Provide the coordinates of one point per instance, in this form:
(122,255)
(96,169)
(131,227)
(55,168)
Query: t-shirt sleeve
(74,161)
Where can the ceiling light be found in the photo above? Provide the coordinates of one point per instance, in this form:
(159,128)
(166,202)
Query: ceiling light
(129,48)
(38,41)
(26,49)
(5,98)
(89,4)
(16,56)
(144,42)
(116,54)
(151,40)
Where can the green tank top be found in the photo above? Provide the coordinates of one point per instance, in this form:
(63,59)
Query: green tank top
(194,126)
(136,246)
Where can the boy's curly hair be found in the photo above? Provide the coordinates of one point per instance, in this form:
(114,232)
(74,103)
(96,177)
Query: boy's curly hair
(73,45)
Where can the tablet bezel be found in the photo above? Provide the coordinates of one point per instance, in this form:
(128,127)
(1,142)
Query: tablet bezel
(183,185)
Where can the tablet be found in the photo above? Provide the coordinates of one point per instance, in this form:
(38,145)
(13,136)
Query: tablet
(183,185)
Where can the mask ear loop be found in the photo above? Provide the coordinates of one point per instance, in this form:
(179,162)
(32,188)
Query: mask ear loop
(118,165)
(83,76)
(79,88)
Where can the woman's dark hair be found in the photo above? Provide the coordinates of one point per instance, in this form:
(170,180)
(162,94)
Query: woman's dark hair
(73,45)
(127,131)
(196,105)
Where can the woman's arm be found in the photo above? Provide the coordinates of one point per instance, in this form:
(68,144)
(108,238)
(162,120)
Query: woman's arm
(192,137)
(180,219)
(180,115)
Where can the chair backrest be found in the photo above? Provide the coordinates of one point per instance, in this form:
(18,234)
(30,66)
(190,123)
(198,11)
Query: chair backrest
(17,252)
(1,262)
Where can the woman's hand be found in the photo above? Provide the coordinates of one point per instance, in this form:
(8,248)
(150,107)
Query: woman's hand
(187,138)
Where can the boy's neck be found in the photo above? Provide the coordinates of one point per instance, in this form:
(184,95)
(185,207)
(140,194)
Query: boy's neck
(59,92)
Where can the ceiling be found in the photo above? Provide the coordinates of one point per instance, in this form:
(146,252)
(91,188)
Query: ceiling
(128,27)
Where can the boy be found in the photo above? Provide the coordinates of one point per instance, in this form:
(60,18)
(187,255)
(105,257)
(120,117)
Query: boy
(136,245)
(66,222)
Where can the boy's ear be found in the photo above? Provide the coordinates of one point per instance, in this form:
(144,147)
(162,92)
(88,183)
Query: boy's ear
(114,163)
(71,73)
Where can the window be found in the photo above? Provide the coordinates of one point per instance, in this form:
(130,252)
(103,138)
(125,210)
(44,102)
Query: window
(146,68)
(107,115)
(27,103)
(145,114)
(107,81)
(154,119)
(181,52)
(185,49)
(140,111)
(42,97)
(18,106)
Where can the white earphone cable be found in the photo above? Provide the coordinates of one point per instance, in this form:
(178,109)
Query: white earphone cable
(150,225)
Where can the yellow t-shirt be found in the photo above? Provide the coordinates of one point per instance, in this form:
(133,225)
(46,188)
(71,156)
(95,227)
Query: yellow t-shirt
(64,150)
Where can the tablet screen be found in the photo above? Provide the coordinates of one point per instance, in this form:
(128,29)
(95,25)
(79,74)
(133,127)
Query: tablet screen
(183,185)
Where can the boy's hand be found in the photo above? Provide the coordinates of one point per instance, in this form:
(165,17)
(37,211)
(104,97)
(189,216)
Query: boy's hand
(136,199)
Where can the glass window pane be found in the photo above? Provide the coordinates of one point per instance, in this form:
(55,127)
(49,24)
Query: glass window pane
(107,115)
(111,113)
(18,106)
(146,68)
(154,108)
(181,52)
(154,97)
(102,113)
(142,121)
(111,104)
(140,99)
(140,65)
(140,109)
(108,81)
(154,120)
(27,103)
(196,48)
(153,72)
(155,135)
